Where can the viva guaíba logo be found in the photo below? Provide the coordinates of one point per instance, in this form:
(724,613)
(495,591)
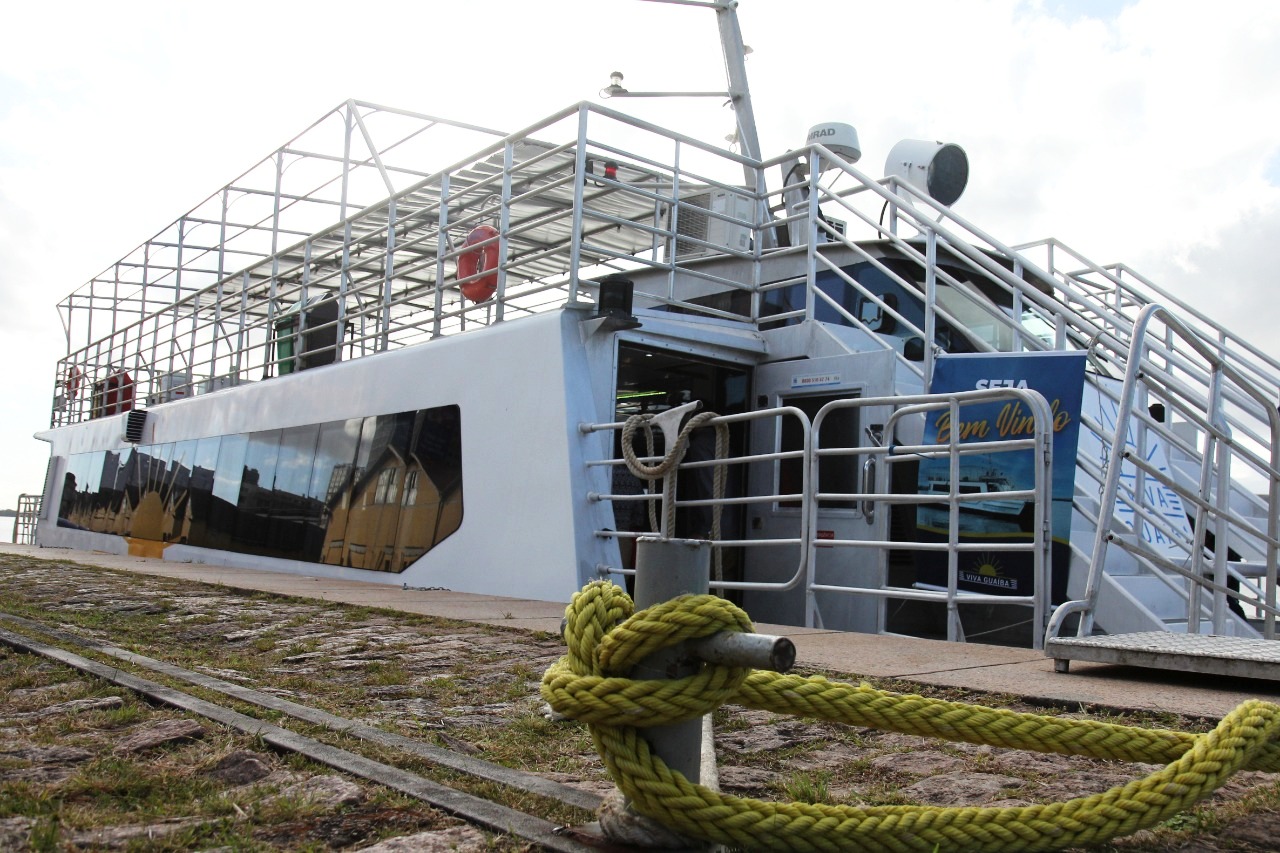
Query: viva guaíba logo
(987,570)
(1013,419)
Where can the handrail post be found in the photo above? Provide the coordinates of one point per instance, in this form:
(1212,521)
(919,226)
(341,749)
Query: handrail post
(930,301)
(580,176)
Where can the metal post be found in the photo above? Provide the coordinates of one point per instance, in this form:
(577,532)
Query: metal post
(389,272)
(442,246)
(665,569)
(344,276)
(580,174)
(504,229)
(930,304)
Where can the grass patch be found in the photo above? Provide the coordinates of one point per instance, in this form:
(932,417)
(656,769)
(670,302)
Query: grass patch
(44,835)
(808,787)
(387,673)
(128,714)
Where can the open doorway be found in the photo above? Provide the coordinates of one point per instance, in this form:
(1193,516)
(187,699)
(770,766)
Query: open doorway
(651,380)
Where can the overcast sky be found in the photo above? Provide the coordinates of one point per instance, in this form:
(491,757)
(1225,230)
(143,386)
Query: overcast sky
(1146,132)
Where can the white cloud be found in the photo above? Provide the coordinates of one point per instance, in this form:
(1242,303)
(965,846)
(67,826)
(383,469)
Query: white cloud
(1232,278)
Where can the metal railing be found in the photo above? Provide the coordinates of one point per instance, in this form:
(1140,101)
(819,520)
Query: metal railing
(386,275)
(24,522)
(873,490)
(879,458)
(653,497)
(1204,567)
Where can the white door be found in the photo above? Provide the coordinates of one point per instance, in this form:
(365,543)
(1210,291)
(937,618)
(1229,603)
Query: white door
(808,385)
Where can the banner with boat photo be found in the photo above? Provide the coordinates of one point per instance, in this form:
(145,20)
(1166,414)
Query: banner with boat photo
(1059,377)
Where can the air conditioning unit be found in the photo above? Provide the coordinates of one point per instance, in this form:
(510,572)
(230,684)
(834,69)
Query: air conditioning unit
(696,221)
(173,386)
(217,383)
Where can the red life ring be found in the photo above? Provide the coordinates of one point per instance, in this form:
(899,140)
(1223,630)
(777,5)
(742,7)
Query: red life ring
(482,259)
(74,377)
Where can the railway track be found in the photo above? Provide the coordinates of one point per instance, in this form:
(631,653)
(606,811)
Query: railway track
(473,809)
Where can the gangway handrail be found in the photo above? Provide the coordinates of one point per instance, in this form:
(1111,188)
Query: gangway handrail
(806,507)
(1071,280)
(1040,494)
(1114,273)
(1180,395)
(928,215)
(1103,536)
(1159,567)
(1226,335)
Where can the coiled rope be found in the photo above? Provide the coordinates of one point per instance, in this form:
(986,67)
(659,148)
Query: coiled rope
(606,639)
(667,466)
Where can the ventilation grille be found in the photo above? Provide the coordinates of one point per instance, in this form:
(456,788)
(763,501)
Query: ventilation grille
(134,423)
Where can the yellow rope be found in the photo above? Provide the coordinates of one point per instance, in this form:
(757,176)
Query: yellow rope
(606,640)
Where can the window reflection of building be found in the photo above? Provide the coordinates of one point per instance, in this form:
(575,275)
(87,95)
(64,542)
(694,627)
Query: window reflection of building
(386,493)
(373,493)
(379,532)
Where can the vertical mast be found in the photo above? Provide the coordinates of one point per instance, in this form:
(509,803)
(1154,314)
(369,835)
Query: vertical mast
(736,68)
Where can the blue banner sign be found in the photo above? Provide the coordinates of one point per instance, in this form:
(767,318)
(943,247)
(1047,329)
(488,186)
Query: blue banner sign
(1059,376)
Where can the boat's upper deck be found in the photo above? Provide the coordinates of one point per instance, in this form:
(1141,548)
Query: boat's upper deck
(347,240)
(352,239)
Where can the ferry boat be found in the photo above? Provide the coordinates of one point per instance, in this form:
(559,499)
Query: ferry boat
(404,350)
(979,481)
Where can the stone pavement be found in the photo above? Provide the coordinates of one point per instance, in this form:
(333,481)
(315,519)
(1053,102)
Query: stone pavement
(971,666)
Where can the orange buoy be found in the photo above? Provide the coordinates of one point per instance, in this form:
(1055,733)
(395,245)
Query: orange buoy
(113,395)
(74,377)
(482,259)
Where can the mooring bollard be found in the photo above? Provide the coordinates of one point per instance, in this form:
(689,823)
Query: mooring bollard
(666,569)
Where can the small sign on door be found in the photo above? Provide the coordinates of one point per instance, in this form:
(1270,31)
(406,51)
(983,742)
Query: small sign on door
(815,380)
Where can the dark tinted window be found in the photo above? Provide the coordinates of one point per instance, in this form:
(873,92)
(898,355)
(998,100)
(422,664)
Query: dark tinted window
(373,493)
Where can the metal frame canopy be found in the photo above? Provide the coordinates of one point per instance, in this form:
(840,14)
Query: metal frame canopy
(370,208)
(353,156)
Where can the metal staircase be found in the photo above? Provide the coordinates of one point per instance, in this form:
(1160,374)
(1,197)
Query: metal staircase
(1182,443)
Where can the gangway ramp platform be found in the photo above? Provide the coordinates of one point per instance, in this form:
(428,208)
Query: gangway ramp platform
(1240,657)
